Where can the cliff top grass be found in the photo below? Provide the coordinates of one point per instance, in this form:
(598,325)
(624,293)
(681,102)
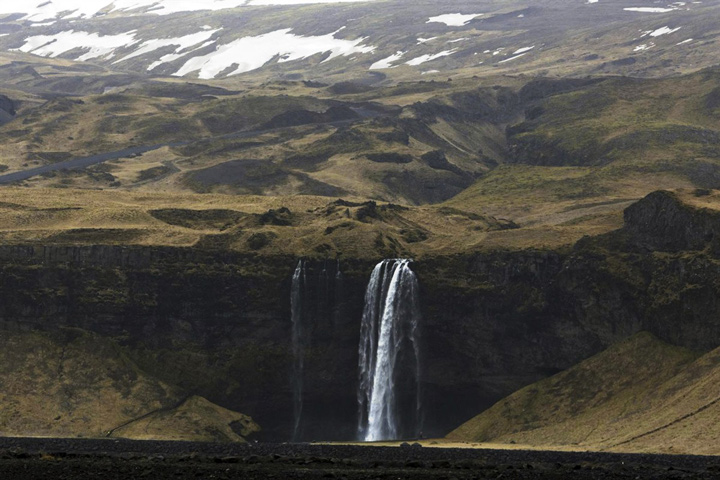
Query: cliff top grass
(273,225)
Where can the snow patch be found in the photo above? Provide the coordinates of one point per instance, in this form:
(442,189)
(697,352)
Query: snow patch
(297,2)
(388,61)
(425,40)
(513,58)
(182,43)
(97,45)
(454,19)
(427,58)
(663,31)
(685,41)
(523,50)
(643,47)
(649,9)
(250,53)
(39,10)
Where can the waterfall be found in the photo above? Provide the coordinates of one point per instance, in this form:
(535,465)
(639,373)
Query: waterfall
(299,282)
(389,365)
(316,307)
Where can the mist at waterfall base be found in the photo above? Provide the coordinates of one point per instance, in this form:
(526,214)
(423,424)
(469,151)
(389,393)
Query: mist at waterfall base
(388,365)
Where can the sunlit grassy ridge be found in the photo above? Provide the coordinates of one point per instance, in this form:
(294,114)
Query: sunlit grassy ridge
(639,395)
(301,225)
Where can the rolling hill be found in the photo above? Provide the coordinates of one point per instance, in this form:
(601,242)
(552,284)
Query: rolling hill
(641,395)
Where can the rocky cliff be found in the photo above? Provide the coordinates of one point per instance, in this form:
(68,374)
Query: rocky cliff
(217,324)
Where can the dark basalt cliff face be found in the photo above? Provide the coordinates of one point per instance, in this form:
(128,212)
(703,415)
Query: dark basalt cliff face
(218,324)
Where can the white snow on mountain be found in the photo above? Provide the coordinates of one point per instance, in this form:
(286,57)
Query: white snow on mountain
(643,47)
(663,31)
(95,44)
(454,19)
(388,61)
(242,55)
(427,58)
(649,9)
(182,43)
(299,2)
(250,53)
(513,58)
(523,50)
(39,11)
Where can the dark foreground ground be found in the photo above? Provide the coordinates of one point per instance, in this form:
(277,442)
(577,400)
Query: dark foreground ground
(122,459)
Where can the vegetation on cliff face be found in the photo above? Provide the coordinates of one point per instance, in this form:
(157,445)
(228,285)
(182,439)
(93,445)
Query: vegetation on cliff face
(77,384)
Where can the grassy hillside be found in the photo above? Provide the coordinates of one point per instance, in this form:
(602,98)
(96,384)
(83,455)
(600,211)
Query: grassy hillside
(301,226)
(559,158)
(639,395)
(74,383)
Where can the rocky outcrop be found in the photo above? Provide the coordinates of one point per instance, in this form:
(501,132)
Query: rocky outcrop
(662,222)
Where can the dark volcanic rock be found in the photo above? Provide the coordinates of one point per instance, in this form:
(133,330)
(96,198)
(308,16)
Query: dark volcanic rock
(218,323)
(80,459)
(661,222)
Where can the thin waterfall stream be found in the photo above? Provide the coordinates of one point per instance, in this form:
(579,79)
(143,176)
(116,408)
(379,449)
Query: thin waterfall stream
(316,307)
(299,281)
(389,356)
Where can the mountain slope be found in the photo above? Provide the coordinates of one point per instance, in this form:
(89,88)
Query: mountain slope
(78,384)
(367,40)
(639,395)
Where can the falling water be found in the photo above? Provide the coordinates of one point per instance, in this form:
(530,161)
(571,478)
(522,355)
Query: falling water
(316,307)
(389,366)
(296,305)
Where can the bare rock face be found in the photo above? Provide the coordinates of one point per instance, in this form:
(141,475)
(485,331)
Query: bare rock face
(662,222)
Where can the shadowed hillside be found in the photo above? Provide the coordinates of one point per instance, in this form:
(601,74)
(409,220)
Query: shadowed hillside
(76,384)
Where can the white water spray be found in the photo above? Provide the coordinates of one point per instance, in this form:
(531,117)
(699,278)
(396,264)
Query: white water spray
(389,365)
(296,307)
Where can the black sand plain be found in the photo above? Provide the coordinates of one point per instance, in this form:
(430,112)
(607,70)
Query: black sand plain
(23,458)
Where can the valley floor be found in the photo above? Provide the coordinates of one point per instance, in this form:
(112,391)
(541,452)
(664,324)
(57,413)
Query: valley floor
(121,459)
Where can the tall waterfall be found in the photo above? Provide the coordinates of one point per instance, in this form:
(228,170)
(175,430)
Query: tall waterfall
(389,364)
(299,282)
